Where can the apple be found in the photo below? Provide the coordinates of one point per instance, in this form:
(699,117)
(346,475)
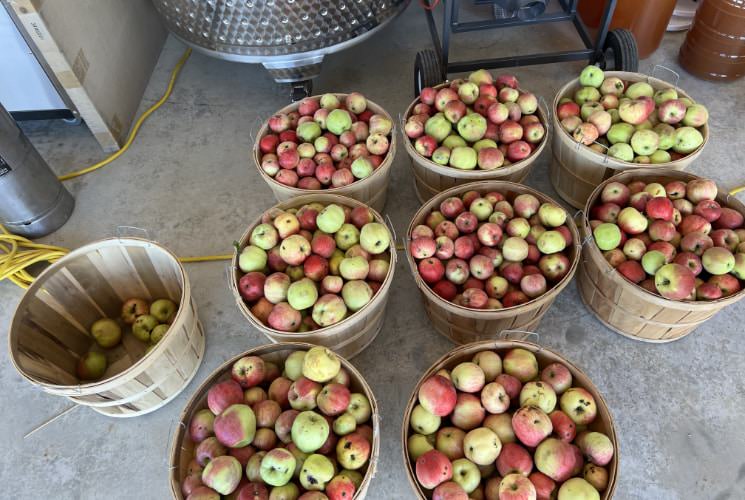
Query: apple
(531,425)
(222,474)
(596,476)
(556,459)
(482,446)
(607,236)
(468,413)
(516,487)
(315,472)
(577,488)
(579,405)
(91,366)
(717,261)
(132,309)
(596,446)
(432,469)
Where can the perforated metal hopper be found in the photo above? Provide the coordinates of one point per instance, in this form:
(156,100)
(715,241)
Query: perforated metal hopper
(288,37)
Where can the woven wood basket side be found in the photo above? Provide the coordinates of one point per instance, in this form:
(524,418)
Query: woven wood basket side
(603,423)
(371,190)
(431,178)
(182,448)
(50,329)
(576,170)
(463,325)
(350,336)
(628,308)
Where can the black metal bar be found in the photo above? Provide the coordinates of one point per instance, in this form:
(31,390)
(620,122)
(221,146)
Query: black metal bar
(582,31)
(446,25)
(610,7)
(572,6)
(507,62)
(506,23)
(47,114)
(433,29)
(455,20)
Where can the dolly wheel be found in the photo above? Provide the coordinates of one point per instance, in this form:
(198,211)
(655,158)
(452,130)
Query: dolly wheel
(427,70)
(620,52)
(301,90)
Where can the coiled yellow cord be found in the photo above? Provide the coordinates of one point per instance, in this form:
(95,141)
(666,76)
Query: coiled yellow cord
(738,189)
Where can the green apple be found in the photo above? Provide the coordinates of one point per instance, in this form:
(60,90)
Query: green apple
(664,95)
(551,242)
(294,365)
(309,431)
(552,215)
(441,155)
(164,310)
(321,364)
(484,143)
(482,446)
(264,236)
(158,333)
(472,127)
(419,444)
(586,94)
(359,407)
(316,471)
(660,156)
(330,219)
(438,127)
(454,141)
(718,261)
(687,140)
(309,131)
(577,488)
(91,366)
(356,294)
(344,424)
(107,332)
(481,208)
(639,89)
(423,421)
(591,76)
(354,268)
(329,310)
(607,236)
(347,236)
(302,294)
(666,133)
(375,238)
(696,116)
(652,261)
(620,133)
(143,327)
(277,466)
(621,151)
(464,158)
(289,491)
(466,474)
(645,142)
(338,121)
(252,258)
(362,167)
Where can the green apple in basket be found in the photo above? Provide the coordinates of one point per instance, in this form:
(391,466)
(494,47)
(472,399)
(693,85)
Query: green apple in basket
(164,310)
(143,327)
(107,332)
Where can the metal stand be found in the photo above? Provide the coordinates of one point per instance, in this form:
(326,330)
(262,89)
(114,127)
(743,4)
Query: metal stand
(610,49)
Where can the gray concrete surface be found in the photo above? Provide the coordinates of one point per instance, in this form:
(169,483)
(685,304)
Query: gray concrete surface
(678,407)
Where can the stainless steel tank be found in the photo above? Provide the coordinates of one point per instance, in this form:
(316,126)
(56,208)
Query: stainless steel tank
(289,38)
(33,202)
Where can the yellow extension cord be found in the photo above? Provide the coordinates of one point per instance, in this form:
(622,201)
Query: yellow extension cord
(18,253)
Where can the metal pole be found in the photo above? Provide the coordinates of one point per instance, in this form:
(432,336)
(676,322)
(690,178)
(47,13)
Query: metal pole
(33,202)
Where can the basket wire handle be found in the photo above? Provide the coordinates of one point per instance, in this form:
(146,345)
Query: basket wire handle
(48,421)
(389,223)
(653,74)
(133,231)
(543,105)
(518,335)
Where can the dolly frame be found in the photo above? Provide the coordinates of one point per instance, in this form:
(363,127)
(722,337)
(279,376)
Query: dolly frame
(593,52)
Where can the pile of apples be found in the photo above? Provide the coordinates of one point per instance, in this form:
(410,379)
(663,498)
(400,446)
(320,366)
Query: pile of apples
(312,267)
(502,428)
(480,123)
(673,240)
(484,251)
(281,432)
(149,323)
(326,143)
(631,121)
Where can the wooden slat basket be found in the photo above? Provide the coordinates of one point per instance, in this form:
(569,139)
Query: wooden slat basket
(463,325)
(182,447)
(371,191)
(431,178)
(50,328)
(576,170)
(629,309)
(603,423)
(348,337)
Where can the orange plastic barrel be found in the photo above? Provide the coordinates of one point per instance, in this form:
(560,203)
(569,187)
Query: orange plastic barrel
(647,19)
(714,48)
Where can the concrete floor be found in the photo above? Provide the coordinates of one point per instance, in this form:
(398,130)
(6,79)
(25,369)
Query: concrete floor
(188,180)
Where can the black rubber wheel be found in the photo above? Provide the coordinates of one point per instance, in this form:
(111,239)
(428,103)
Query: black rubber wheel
(301,90)
(427,70)
(620,52)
